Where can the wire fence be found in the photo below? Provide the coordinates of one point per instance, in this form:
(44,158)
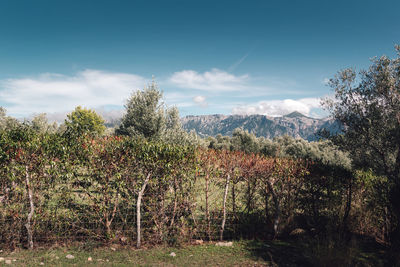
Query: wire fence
(55,228)
(71,216)
(171,214)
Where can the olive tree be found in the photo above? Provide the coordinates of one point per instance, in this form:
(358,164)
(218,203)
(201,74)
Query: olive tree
(148,117)
(40,124)
(368,106)
(6,121)
(145,114)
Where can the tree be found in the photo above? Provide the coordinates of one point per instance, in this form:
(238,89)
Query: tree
(3,113)
(152,164)
(6,121)
(228,162)
(368,106)
(145,114)
(40,124)
(174,132)
(27,158)
(244,141)
(84,121)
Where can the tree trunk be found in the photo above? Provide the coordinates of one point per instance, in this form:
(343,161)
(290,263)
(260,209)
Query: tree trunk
(395,205)
(233,200)
(221,236)
(249,196)
(395,198)
(28,224)
(139,202)
(348,206)
(266,207)
(175,204)
(208,212)
(109,221)
(277,209)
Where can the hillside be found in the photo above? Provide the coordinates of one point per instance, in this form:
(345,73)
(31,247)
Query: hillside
(294,124)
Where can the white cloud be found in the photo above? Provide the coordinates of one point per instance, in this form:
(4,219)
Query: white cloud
(200,100)
(55,93)
(277,108)
(214,80)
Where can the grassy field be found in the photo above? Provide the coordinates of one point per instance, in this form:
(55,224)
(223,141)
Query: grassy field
(242,253)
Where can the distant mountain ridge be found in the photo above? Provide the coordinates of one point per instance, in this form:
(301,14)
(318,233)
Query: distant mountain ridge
(294,124)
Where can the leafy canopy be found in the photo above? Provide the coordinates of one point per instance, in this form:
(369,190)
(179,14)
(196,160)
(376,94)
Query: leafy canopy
(84,121)
(145,115)
(368,106)
(148,117)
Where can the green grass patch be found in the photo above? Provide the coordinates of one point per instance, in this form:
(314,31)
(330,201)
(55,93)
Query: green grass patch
(242,253)
(190,255)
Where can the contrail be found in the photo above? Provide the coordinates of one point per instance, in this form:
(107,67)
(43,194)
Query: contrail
(237,63)
(240,61)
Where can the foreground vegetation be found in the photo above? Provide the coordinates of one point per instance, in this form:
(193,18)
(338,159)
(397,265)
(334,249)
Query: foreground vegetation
(151,183)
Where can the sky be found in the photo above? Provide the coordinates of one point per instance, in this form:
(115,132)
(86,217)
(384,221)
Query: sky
(208,57)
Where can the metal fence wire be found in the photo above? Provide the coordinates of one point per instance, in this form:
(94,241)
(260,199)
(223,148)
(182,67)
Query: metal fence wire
(64,220)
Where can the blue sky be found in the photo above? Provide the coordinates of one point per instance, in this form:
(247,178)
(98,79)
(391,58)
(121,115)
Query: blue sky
(230,57)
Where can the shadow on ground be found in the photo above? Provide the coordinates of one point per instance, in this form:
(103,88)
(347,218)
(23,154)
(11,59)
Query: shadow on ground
(279,253)
(357,251)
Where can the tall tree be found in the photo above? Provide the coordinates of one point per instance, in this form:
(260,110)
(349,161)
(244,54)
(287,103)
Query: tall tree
(145,114)
(368,106)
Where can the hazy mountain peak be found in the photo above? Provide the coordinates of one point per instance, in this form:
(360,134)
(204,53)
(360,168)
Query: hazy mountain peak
(295,114)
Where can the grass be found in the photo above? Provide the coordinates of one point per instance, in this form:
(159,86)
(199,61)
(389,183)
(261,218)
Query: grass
(242,253)
(190,255)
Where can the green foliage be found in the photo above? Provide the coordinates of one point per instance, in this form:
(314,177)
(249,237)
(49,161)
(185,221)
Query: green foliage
(244,141)
(84,122)
(175,134)
(368,106)
(40,124)
(6,121)
(28,161)
(371,205)
(145,114)
(220,142)
(147,117)
(98,179)
(324,152)
(321,192)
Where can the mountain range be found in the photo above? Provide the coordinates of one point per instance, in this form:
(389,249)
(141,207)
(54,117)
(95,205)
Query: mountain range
(294,124)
